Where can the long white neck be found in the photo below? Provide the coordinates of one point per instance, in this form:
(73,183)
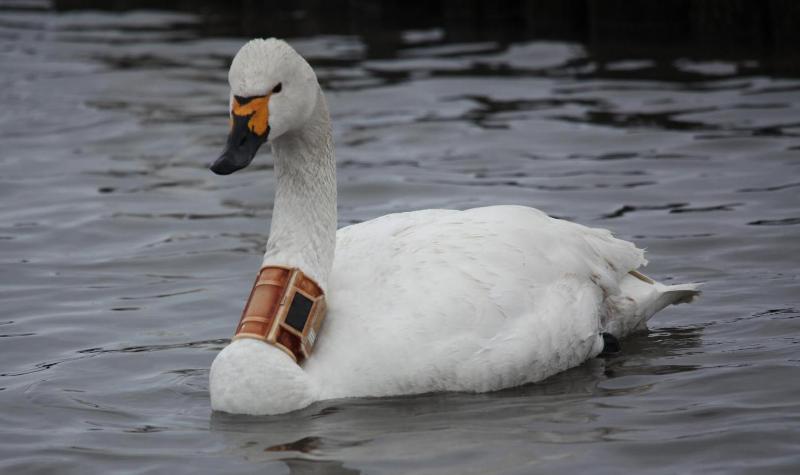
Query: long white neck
(303,230)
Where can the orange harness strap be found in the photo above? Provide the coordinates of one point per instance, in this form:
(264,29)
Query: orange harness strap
(285,309)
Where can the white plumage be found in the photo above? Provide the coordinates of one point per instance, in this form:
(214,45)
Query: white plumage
(433,300)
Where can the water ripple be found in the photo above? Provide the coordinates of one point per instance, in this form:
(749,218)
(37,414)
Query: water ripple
(125,263)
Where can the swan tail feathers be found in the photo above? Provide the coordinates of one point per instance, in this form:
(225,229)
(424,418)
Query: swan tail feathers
(639,299)
(678,294)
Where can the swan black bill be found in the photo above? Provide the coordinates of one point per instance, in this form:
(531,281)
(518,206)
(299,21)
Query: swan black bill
(241,148)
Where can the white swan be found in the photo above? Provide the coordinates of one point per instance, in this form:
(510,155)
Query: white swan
(434,300)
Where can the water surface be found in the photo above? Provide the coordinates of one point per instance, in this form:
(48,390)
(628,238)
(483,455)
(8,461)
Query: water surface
(124,263)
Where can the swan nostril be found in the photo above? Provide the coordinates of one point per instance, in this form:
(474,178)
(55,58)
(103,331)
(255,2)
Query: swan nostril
(241,140)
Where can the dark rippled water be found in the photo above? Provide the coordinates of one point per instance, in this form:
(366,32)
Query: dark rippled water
(124,263)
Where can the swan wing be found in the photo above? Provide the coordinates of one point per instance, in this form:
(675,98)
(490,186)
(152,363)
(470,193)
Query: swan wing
(464,300)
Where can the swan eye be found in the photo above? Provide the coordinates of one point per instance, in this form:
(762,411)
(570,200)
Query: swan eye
(277,88)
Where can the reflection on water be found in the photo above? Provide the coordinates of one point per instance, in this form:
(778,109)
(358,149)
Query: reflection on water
(123,261)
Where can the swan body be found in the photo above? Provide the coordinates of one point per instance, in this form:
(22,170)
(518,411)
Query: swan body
(432,300)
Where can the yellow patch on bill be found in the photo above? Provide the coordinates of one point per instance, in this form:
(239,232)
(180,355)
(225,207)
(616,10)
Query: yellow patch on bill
(258,111)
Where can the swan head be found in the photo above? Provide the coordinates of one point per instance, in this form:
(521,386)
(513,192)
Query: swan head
(273,92)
